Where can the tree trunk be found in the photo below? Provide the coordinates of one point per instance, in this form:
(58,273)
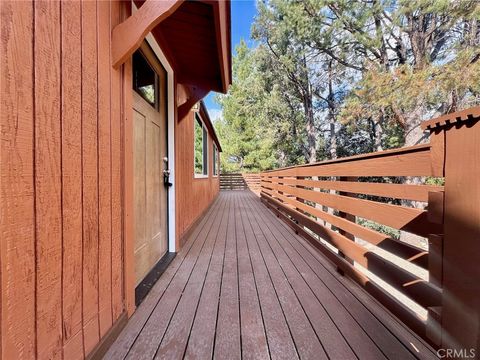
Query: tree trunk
(379,34)
(333,130)
(331,113)
(311,131)
(378,134)
(282,159)
(333,139)
(312,142)
(413,136)
(307,95)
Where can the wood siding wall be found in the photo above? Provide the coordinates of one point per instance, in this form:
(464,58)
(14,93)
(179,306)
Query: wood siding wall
(193,195)
(61,178)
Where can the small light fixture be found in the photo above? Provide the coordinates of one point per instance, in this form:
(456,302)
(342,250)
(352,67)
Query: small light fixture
(196,107)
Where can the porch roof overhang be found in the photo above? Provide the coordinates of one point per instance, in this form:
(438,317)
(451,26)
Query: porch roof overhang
(194,36)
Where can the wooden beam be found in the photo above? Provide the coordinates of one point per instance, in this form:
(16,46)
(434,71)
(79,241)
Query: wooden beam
(128,35)
(196,94)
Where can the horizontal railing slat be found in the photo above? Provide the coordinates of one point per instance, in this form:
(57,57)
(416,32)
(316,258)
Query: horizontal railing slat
(398,217)
(396,191)
(413,163)
(347,187)
(417,289)
(407,252)
(355,158)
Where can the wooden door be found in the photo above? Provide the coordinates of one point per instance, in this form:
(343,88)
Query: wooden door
(150,152)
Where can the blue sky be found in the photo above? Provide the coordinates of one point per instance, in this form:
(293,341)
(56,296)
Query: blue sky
(243,12)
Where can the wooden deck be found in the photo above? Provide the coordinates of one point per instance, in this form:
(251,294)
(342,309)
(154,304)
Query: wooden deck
(245,286)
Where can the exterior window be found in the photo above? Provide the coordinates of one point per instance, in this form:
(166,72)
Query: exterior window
(145,79)
(215,160)
(201,149)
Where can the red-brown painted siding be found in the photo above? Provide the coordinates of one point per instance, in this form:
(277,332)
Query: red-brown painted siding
(61,184)
(66,256)
(193,195)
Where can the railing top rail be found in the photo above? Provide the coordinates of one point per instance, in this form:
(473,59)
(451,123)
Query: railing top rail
(372,155)
(452,118)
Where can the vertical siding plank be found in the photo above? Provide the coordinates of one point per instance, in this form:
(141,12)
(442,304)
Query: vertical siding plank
(116,148)
(129,261)
(104,169)
(48,180)
(127,176)
(72,179)
(200,191)
(90,175)
(17,218)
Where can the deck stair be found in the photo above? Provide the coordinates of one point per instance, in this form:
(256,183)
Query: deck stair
(237,181)
(232,181)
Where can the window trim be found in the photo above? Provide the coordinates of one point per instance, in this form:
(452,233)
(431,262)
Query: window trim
(215,161)
(204,175)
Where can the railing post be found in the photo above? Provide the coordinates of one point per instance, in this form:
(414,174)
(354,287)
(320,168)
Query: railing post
(436,201)
(460,313)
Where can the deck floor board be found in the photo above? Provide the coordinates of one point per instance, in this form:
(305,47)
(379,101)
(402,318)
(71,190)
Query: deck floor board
(245,286)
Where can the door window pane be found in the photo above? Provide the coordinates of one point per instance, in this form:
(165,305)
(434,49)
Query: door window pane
(144,79)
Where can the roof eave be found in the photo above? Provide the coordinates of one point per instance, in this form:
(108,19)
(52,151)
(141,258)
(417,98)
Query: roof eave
(222,13)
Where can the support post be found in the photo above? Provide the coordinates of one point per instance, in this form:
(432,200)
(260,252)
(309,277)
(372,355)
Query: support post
(460,313)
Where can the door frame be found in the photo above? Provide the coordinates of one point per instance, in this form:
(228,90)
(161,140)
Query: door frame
(128,201)
(170,139)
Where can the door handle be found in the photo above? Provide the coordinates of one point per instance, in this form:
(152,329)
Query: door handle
(166,178)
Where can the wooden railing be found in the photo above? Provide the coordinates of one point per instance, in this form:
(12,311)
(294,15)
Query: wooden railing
(253,182)
(359,210)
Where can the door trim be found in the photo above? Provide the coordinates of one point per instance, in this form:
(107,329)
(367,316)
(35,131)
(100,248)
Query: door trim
(127,171)
(170,139)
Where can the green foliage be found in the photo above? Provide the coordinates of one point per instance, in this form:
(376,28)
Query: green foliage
(387,230)
(435,181)
(407,89)
(336,78)
(247,144)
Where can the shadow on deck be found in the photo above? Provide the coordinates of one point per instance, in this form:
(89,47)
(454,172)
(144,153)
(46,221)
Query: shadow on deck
(245,286)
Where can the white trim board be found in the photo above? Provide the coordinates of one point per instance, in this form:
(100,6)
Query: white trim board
(171,138)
